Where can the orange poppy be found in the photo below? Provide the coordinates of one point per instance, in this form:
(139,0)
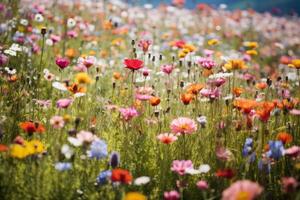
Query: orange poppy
(264,110)
(32,127)
(117,75)
(186,98)
(261,85)
(237,91)
(195,88)
(154,101)
(246,105)
(285,137)
(75,88)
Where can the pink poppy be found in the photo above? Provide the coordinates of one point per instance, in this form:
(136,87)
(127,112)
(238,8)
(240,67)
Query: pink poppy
(171,195)
(179,166)
(243,189)
(64,103)
(183,125)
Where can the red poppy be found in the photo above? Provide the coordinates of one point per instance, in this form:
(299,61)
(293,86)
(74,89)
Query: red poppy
(32,127)
(121,175)
(133,64)
(225,173)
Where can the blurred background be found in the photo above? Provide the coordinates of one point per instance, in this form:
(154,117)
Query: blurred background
(277,7)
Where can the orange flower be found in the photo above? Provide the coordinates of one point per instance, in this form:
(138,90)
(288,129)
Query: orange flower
(71,53)
(31,127)
(186,98)
(3,148)
(207,72)
(154,101)
(264,110)
(285,137)
(117,75)
(246,105)
(261,85)
(121,176)
(75,88)
(237,91)
(195,88)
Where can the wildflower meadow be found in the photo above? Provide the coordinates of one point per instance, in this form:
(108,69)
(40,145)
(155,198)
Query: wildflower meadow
(113,100)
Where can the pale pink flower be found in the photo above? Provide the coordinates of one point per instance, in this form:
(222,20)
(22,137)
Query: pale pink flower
(87,61)
(211,93)
(55,38)
(43,103)
(289,184)
(167,69)
(144,45)
(180,166)
(57,122)
(143,93)
(183,125)
(206,63)
(72,34)
(243,189)
(202,185)
(128,113)
(295,112)
(293,151)
(224,154)
(171,195)
(167,138)
(80,68)
(63,103)
(86,136)
(208,53)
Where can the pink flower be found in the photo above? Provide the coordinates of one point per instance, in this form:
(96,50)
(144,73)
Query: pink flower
(55,38)
(179,166)
(183,125)
(206,63)
(293,151)
(145,72)
(243,189)
(80,68)
(128,113)
(202,185)
(211,93)
(88,61)
(223,154)
(289,184)
(172,195)
(295,112)
(72,34)
(57,122)
(217,82)
(167,69)
(167,138)
(62,62)
(208,53)
(143,93)
(86,136)
(43,103)
(63,103)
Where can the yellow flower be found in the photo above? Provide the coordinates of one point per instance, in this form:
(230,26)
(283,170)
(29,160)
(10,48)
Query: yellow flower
(135,196)
(235,64)
(251,45)
(67,118)
(181,54)
(212,42)
(189,47)
(36,146)
(83,78)
(295,64)
(18,151)
(252,52)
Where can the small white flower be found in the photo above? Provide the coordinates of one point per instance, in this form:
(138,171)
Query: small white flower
(202,120)
(74,141)
(192,171)
(71,23)
(10,52)
(24,22)
(39,18)
(79,94)
(67,151)
(10,71)
(204,168)
(49,42)
(59,86)
(142,180)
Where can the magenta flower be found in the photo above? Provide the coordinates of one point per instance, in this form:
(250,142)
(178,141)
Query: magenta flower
(167,69)
(206,63)
(64,103)
(289,184)
(217,82)
(183,125)
(62,62)
(243,189)
(128,113)
(171,195)
(179,166)
(3,59)
(293,151)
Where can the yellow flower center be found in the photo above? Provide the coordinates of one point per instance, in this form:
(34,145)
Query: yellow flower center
(243,196)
